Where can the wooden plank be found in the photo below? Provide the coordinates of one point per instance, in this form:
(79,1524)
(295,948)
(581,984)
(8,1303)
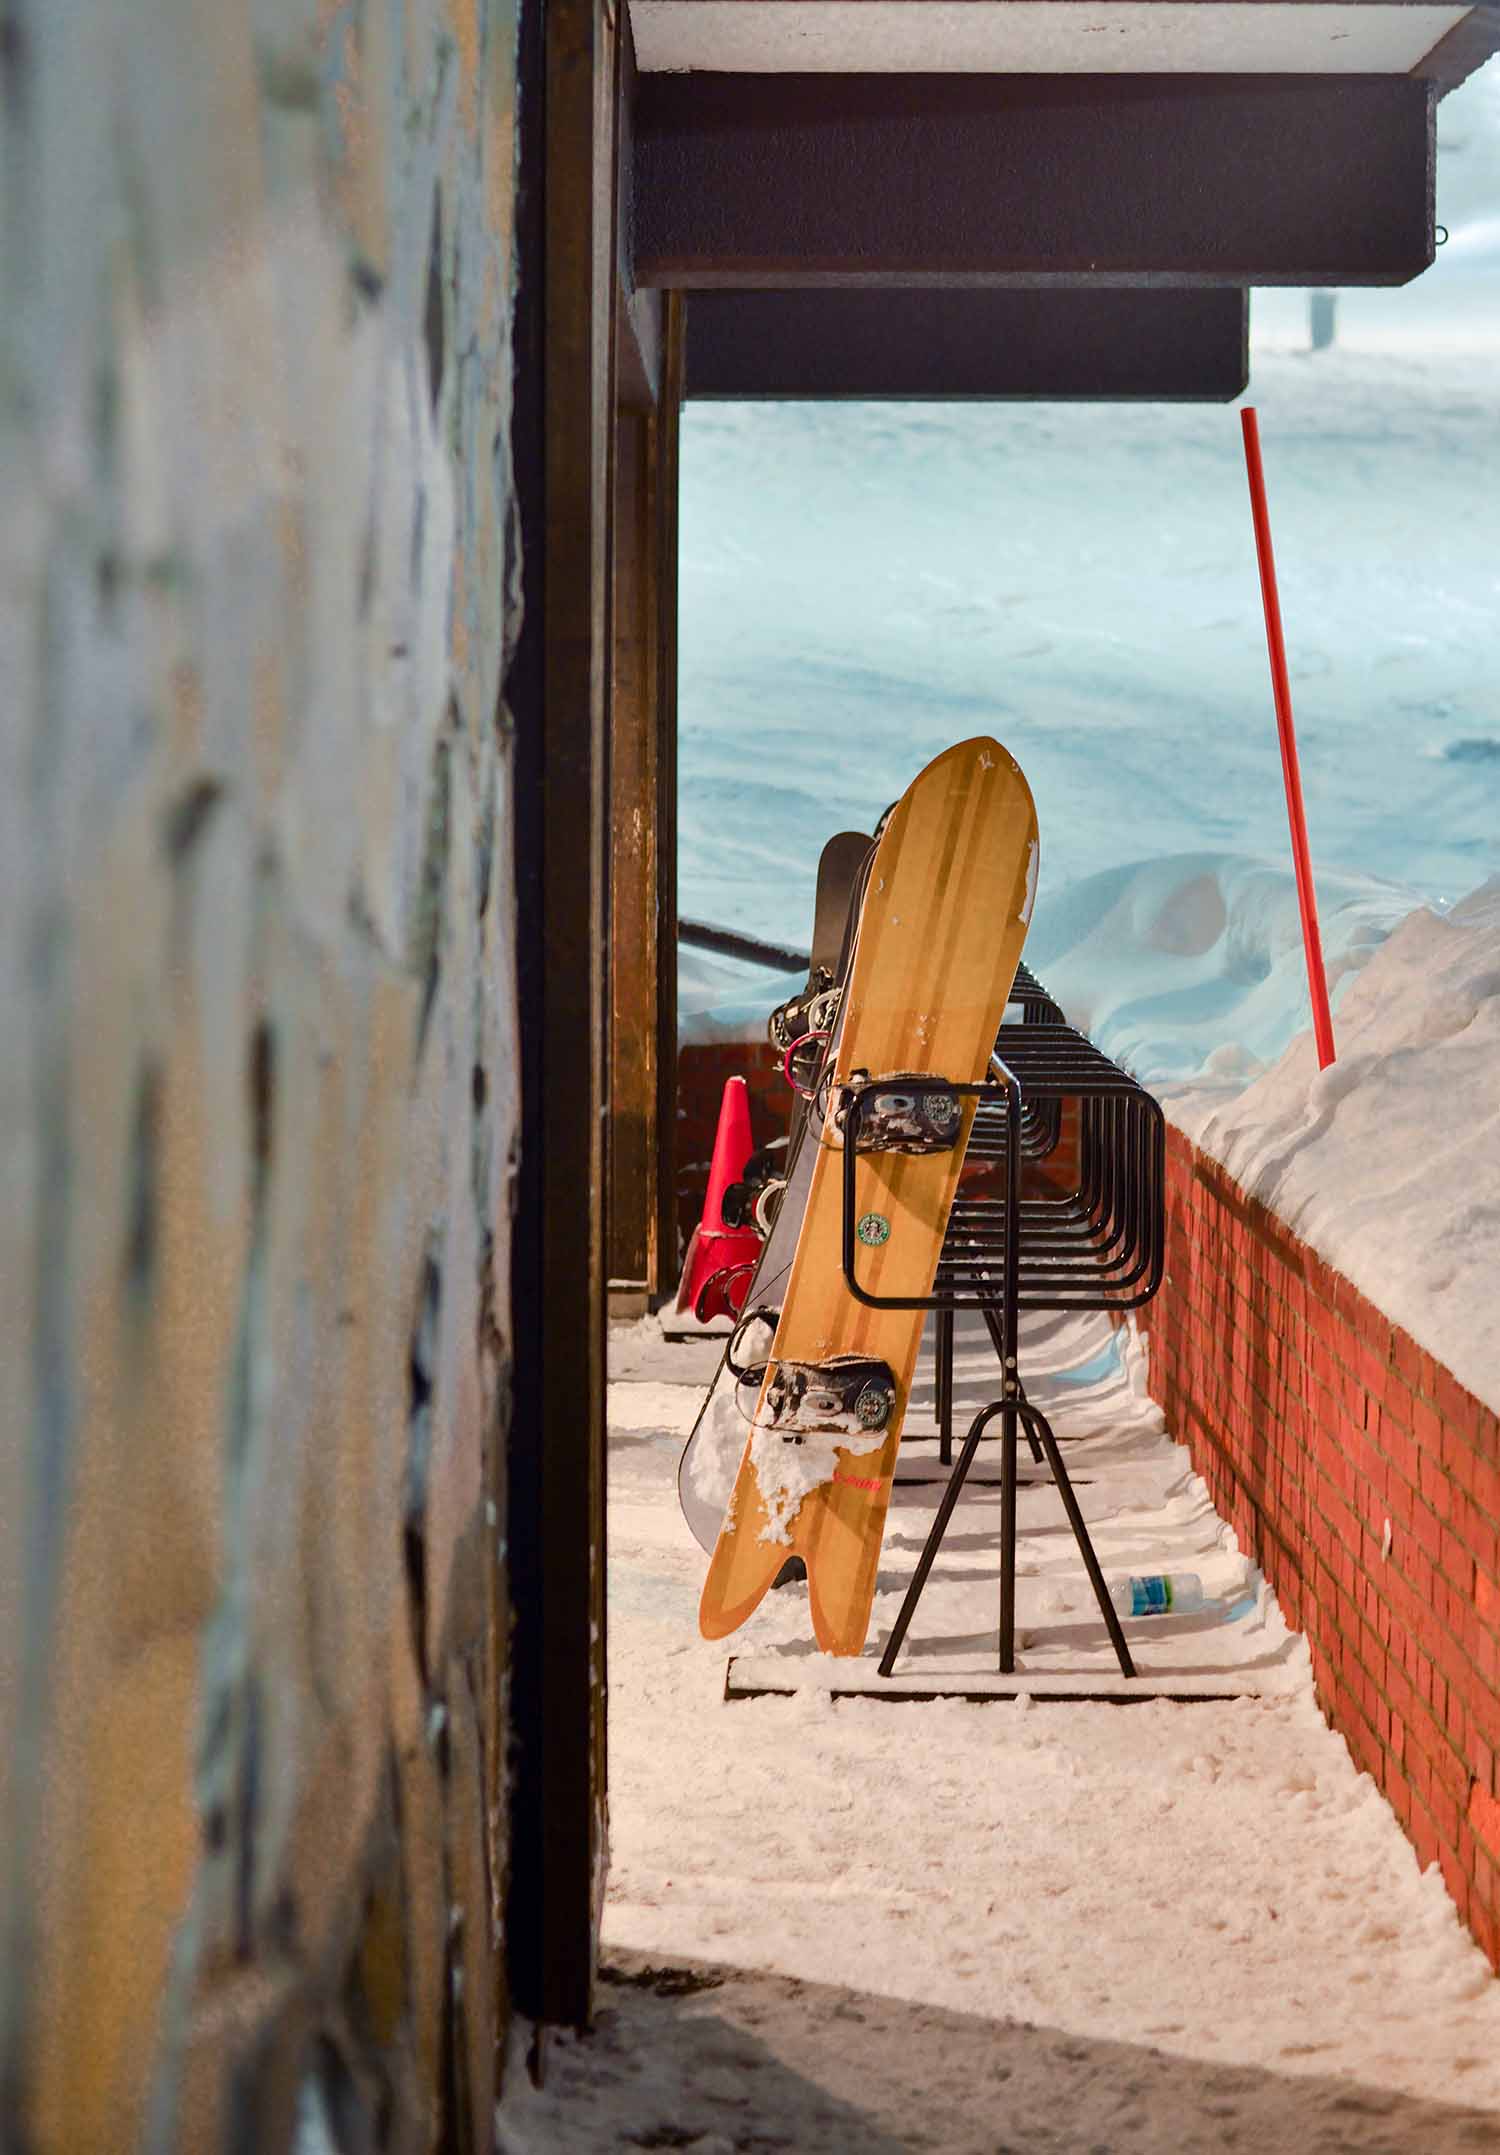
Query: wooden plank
(643,936)
(634,958)
(638,353)
(1114,343)
(767,1676)
(667,424)
(557,688)
(753,180)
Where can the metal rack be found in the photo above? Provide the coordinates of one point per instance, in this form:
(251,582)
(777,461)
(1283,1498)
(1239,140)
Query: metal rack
(1079,1148)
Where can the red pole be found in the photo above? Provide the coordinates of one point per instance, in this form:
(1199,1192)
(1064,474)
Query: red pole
(1317,985)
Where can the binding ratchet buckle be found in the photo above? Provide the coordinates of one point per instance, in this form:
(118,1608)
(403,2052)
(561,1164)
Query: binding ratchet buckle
(848,1395)
(907,1111)
(812,1011)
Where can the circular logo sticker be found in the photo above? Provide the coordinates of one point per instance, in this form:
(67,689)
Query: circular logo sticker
(941,1109)
(874,1229)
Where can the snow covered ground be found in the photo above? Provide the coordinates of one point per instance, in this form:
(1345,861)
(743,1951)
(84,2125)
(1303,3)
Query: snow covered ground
(994,1926)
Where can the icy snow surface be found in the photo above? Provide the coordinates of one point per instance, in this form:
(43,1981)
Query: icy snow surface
(863,585)
(1002,1926)
(1388,1163)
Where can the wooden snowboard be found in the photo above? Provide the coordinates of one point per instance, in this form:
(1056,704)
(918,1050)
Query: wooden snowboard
(945,915)
(705,1472)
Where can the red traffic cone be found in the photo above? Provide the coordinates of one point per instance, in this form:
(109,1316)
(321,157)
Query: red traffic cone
(719,1258)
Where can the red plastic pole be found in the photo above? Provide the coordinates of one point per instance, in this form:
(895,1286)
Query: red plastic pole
(1312,943)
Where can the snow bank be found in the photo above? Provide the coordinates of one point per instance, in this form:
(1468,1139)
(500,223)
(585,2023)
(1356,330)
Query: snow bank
(1388,1163)
(1195,962)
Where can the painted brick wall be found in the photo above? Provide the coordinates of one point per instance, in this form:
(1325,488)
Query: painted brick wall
(1366,1482)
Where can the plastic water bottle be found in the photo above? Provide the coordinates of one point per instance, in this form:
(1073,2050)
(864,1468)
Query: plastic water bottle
(1178,1593)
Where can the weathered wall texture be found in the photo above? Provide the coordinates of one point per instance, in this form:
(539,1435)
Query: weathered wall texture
(257,1104)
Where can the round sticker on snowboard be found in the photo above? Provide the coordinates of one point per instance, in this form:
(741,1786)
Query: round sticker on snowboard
(874,1229)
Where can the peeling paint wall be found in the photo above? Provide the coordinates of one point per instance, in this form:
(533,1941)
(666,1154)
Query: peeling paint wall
(257,1068)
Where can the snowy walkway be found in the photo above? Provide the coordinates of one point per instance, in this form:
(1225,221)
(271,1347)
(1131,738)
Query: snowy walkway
(1010,1925)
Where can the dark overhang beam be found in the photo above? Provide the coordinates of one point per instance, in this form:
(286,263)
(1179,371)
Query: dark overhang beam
(1466,48)
(819,180)
(1107,343)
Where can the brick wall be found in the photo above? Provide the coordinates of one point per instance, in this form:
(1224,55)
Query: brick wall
(1366,1483)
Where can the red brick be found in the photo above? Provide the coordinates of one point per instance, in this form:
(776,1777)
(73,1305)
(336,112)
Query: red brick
(1428,1532)
(1434,1484)
(1427,1426)
(1487,1662)
(1486,1874)
(1479,1535)
(1457,1565)
(1422,1676)
(1399,1796)
(1457,1405)
(1456,1879)
(1450,1773)
(1456,1721)
(1451,1658)
(1400,1449)
(1424,1835)
(1374,1368)
(1487,1489)
(1484,1818)
(1406,1356)
(1459,1458)
(1482,1761)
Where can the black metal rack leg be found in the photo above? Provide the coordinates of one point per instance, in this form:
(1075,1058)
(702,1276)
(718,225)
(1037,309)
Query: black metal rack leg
(1010,1418)
(945,1386)
(1043,1428)
(934,1539)
(993,1321)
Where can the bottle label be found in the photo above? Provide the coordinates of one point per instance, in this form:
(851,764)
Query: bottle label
(1150,1597)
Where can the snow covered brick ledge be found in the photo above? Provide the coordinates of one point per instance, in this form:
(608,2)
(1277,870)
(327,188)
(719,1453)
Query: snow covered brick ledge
(1365,1480)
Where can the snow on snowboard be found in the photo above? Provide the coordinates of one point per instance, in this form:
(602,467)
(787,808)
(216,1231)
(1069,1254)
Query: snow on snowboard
(946,907)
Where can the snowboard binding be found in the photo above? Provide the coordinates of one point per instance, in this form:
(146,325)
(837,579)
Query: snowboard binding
(723,1292)
(906,1111)
(751,1372)
(849,1395)
(752,1201)
(813,1011)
